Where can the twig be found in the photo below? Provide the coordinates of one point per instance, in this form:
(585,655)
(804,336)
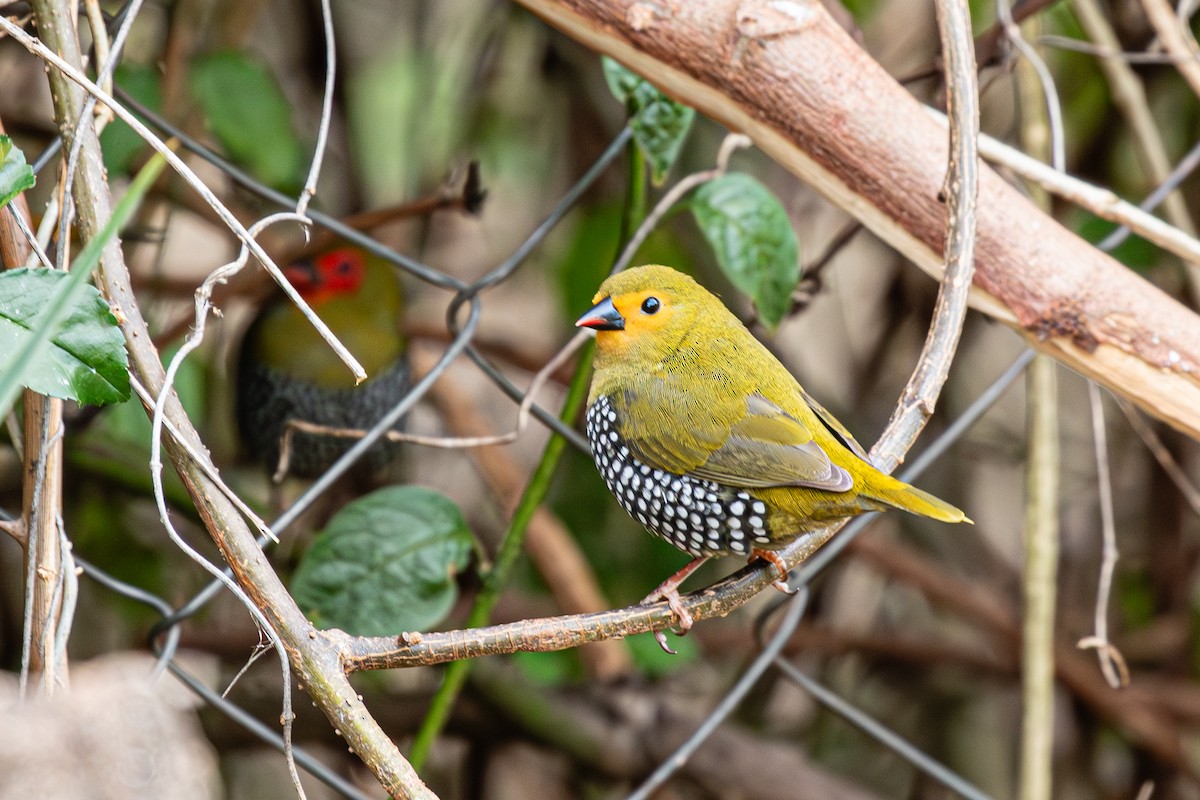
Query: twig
(314,170)
(1170,32)
(961,190)
(1101,202)
(1112,664)
(318,664)
(1178,174)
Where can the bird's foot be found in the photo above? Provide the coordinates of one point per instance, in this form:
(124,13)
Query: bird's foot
(669,590)
(774,560)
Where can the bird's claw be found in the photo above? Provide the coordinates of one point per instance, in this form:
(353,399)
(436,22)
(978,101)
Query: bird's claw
(669,590)
(675,603)
(782,586)
(774,560)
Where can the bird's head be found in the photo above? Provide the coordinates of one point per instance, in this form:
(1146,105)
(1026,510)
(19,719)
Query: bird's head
(330,274)
(644,313)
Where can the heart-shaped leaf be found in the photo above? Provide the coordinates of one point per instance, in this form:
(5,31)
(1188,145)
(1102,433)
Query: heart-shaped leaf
(750,232)
(660,125)
(386,563)
(85,361)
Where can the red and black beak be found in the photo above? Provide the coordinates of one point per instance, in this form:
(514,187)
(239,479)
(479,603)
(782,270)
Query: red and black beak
(602,317)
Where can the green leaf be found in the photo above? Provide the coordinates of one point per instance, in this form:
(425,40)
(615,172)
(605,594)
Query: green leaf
(15,175)
(86,359)
(660,125)
(385,564)
(248,114)
(22,363)
(121,145)
(752,237)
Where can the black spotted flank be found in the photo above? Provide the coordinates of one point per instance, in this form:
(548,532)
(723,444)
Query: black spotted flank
(700,517)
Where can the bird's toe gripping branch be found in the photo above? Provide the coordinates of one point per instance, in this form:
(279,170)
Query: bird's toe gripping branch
(669,590)
(774,560)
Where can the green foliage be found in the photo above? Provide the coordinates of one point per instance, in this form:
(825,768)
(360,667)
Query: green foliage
(246,111)
(386,563)
(752,237)
(120,144)
(660,125)
(15,175)
(85,360)
(67,317)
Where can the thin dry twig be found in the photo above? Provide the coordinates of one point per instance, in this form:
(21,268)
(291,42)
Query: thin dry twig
(319,666)
(314,170)
(1112,664)
(1171,34)
(1129,96)
(1102,202)
(961,190)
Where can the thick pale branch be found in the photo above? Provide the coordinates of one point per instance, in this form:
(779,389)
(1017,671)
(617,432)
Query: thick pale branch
(812,99)
(317,664)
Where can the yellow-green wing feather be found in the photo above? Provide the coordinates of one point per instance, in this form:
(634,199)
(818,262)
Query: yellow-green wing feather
(769,447)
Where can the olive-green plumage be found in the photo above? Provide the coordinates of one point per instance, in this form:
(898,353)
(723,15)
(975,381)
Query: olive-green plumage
(706,438)
(286,371)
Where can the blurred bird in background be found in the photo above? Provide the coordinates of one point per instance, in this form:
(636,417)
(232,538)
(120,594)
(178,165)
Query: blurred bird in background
(287,372)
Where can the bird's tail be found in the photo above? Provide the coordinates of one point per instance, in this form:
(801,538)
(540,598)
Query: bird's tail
(898,494)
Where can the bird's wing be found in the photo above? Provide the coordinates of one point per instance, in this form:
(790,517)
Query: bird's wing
(836,428)
(769,447)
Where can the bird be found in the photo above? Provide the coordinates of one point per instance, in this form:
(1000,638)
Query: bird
(708,441)
(287,372)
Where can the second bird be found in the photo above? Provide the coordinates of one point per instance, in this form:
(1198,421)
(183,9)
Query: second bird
(706,439)
(287,372)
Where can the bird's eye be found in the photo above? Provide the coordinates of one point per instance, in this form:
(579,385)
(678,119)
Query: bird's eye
(344,267)
(651,305)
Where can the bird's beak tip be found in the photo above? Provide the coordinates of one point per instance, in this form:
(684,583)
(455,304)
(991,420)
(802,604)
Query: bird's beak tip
(602,317)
